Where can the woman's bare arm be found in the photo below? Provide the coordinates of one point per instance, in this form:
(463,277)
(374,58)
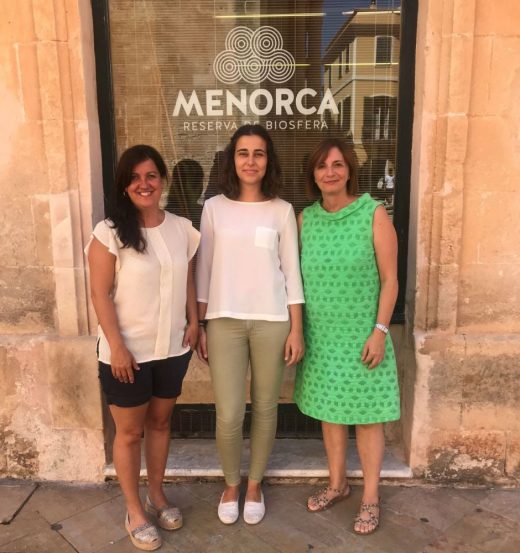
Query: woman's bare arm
(385,246)
(102,273)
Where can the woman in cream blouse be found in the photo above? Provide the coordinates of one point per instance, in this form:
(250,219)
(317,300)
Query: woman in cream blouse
(143,292)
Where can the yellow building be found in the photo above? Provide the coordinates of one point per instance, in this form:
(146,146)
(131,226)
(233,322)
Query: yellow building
(361,67)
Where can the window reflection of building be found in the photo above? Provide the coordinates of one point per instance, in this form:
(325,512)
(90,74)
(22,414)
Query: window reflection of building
(302,36)
(352,54)
(360,63)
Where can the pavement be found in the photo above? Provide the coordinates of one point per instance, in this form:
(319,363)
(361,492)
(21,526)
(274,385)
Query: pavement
(59,518)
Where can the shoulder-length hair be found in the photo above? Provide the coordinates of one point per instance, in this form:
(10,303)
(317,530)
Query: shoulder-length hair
(121,211)
(229,184)
(319,154)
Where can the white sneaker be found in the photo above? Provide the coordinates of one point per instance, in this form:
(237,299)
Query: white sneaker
(254,511)
(228,511)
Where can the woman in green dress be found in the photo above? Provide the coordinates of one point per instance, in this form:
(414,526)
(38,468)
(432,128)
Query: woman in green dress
(348,375)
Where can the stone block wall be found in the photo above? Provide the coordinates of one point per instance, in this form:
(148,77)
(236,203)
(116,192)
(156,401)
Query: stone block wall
(50,409)
(464,266)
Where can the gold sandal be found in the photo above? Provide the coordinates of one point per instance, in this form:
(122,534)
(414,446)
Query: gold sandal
(169,517)
(144,537)
(323,501)
(372,522)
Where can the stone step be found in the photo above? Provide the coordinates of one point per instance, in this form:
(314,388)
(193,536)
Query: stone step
(291,458)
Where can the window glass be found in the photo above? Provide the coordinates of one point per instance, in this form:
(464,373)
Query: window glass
(187,74)
(383,49)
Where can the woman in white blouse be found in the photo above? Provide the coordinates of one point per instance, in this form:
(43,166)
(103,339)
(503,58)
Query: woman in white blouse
(249,300)
(143,291)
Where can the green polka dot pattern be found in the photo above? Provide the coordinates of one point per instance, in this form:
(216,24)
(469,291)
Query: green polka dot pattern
(341,283)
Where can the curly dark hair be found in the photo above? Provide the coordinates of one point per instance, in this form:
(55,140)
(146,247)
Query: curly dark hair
(121,211)
(319,153)
(229,184)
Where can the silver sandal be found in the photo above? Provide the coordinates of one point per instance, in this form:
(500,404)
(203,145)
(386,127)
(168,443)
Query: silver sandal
(144,537)
(169,517)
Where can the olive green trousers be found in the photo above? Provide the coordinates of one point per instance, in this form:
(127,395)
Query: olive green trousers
(234,345)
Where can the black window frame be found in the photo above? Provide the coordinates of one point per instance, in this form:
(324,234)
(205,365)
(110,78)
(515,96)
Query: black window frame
(346,55)
(409,8)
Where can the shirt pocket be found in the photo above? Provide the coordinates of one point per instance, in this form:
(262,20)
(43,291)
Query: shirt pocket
(266,237)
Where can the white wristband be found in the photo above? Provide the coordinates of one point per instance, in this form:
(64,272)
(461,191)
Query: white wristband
(382,328)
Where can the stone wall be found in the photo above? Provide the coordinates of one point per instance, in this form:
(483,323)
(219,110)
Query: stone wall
(50,408)
(464,266)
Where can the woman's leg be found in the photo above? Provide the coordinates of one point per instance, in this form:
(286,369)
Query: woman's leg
(267,343)
(157,443)
(129,423)
(370,441)
(167,377)
(335,438)
(228,355)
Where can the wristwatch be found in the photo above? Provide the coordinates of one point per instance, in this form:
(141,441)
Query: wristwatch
(383,328)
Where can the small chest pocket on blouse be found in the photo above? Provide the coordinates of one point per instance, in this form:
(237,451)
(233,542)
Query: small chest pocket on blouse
(266,237)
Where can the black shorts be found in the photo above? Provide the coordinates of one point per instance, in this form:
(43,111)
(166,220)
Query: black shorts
(162,378)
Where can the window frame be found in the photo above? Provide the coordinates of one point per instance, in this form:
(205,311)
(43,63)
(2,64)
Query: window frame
(390,49)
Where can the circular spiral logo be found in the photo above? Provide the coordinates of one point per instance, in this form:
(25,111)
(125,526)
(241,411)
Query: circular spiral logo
(265,41)
(254,56)
(238,40)
(281,67)
(255,70)
(226,67)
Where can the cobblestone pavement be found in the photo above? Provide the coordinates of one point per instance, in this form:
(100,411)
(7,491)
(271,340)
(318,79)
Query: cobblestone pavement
(52,518)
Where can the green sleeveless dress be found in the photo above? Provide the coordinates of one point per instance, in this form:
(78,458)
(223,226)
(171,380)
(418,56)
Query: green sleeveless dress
(341,285)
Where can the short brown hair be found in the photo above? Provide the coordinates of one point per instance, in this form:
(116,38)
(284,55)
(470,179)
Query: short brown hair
(319,153)
(272,181)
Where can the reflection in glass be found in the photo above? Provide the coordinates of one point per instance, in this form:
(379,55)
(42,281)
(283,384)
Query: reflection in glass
(186,75)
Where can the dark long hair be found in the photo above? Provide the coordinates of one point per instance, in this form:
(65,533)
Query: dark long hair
(319,153)
(229,184)
(121,211)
